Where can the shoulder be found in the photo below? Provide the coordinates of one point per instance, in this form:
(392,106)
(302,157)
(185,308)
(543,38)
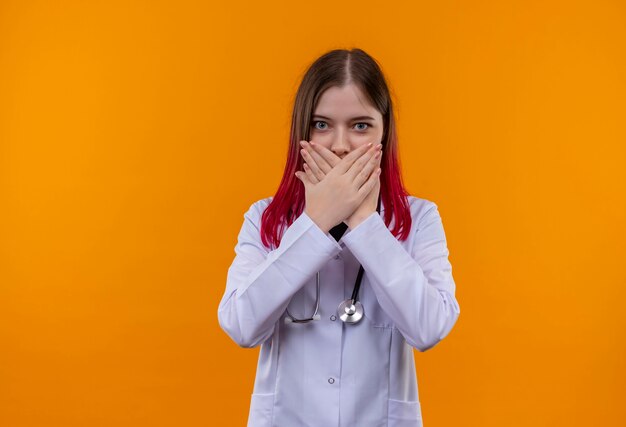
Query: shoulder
(261,204)
(422,210)
(251,227)
(256,209)
(418,205)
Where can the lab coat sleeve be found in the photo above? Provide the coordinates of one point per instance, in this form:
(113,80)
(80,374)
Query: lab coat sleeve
(416,290)
(260,283)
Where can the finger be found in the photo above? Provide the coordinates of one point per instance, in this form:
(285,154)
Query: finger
(322,163)
(304,178)
(310,162)
(371,182)
(370,166)
(315,172)
(310,174)
(330,158)
(344,164)
(363,166)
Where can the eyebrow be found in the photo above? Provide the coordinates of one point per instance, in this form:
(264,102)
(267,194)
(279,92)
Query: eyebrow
(352,119)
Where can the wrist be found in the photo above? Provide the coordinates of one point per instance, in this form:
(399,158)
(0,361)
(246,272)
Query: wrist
(319,220)
(357,219)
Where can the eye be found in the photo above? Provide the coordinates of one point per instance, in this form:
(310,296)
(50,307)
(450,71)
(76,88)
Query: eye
(319,121)
(363,124)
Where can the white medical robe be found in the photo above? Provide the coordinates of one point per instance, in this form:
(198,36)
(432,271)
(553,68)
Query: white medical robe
(326,373)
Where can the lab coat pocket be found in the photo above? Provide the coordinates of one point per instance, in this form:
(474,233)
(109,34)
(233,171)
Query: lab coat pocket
(404,413)
(261,410)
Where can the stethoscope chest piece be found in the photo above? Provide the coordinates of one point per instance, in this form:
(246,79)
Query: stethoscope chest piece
(350,311)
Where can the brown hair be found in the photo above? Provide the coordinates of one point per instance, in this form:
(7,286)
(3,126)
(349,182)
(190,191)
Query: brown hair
(338,67)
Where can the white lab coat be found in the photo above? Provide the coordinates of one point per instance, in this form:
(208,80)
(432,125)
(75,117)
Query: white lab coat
(326,373)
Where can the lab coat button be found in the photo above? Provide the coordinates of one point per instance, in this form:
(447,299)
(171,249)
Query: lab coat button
(331,380)
(333,317)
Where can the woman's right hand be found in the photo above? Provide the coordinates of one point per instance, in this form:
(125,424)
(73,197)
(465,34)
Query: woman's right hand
(336,197)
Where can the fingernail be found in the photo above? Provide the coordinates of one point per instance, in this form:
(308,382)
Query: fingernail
(312,143)
(369,145)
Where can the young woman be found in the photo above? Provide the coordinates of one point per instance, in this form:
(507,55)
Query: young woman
(341,273)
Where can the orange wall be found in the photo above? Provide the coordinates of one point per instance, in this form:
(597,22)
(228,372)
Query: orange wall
(134,135)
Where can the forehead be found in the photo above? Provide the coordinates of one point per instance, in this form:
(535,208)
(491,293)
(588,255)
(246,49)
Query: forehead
(345,102)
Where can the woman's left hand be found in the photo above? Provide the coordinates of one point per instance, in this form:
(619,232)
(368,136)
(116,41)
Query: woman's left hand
(319,161)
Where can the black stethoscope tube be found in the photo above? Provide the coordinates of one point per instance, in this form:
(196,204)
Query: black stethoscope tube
(350,310)
(359,277)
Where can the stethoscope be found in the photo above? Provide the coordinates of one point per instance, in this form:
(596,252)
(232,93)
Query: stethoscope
(349,311)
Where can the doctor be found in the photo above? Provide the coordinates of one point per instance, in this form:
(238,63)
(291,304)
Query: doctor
(342,273)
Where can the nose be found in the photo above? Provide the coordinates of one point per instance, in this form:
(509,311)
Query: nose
(340,145)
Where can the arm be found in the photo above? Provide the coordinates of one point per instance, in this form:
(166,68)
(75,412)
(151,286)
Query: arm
(259,283)
(415,290)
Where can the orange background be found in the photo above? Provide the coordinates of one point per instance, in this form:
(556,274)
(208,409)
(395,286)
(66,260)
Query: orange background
(134,135)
